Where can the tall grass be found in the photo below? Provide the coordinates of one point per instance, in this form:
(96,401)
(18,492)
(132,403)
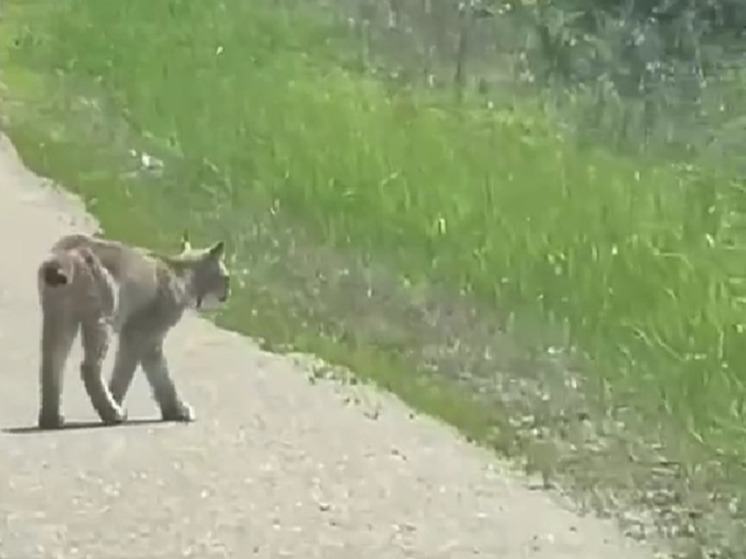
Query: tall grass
(641,260)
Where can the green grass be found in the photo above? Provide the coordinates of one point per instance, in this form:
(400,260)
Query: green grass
(640,261)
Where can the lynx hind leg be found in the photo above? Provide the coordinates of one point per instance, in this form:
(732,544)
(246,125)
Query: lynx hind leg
(125,364)
(59,328)
(173,408)
(96,335)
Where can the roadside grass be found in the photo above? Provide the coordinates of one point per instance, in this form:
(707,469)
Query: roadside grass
(68,130)
(632,266)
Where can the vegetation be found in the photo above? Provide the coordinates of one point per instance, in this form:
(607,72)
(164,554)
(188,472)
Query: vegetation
(624,268)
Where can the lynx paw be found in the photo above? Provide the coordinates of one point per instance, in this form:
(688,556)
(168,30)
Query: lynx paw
(181,412)
(116,417)
(50,420)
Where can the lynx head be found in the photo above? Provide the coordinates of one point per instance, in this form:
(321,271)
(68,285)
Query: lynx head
(209,279)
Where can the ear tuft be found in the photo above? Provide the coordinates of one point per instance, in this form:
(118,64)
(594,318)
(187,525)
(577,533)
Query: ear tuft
(216,250)
(185,244)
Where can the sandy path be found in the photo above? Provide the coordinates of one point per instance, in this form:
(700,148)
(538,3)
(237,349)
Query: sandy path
(274,467)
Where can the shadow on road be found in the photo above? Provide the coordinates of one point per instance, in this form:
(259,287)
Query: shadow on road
(77,425)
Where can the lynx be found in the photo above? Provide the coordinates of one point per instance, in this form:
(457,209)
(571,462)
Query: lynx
(101,288)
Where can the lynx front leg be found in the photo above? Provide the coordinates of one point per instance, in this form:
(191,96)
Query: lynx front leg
(58,333)
(96,337)
(155,366)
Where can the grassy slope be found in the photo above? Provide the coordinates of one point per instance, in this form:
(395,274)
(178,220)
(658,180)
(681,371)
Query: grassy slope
(70,130)
(638,261)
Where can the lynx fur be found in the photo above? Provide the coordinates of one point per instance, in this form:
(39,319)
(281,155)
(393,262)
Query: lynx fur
(102,287)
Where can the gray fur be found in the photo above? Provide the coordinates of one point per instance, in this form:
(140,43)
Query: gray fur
(104,288)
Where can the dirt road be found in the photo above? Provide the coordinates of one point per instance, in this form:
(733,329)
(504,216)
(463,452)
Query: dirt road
(274,467)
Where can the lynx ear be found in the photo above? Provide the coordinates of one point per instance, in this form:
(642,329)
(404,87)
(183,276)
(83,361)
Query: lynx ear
(216,250)
(185,244)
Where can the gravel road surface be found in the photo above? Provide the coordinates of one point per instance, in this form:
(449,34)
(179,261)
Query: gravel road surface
(274,467)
